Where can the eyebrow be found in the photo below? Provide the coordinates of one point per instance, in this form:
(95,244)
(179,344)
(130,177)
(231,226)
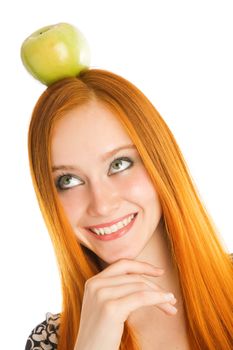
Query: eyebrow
(104,157)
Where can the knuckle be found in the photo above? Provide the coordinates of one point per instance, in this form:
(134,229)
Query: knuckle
(100,295)
(109,308)
(90,285)
(86,285)
(142,294)
(142,286)
(144,280)
(141,278)
(123,261)
(149,283)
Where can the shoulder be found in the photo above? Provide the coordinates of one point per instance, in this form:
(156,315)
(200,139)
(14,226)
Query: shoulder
(44,335)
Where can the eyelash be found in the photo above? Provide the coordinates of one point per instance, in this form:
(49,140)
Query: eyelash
(58,179)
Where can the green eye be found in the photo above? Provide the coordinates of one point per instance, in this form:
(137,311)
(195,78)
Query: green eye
(66,181)
(121,164)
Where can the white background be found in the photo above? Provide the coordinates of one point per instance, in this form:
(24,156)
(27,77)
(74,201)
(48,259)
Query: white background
(179,53)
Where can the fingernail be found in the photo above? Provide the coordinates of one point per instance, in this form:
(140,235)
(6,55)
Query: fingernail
(169,296)
(173,309)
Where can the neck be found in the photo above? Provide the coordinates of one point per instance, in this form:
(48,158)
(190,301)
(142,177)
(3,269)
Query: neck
(157,252)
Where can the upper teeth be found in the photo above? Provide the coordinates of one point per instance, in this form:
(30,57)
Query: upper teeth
(110,229)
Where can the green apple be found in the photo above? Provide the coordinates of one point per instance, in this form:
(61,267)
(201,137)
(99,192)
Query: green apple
(55,52)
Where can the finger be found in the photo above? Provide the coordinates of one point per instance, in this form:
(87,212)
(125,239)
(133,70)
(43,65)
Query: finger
(167,308)
(129,278)
(124,279)
(116,292)
(119,291)
(127,266)
(131,302)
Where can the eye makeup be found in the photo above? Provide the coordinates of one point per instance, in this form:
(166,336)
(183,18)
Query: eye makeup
(68,176)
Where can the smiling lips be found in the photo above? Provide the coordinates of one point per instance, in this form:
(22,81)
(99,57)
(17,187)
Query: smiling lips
(113,232)
(113,226)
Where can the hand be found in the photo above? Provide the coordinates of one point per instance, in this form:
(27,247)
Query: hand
(110,297)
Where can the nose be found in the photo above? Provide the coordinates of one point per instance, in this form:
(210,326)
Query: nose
(104,199)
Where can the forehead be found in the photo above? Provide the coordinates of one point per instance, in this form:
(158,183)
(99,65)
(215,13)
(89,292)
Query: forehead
(91,127)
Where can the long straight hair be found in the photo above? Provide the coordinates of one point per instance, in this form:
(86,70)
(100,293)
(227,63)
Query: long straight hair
(203,264)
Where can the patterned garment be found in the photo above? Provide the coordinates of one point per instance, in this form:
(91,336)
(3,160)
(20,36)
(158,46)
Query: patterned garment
(44,336)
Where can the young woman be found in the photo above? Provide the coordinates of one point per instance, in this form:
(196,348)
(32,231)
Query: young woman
(120,205)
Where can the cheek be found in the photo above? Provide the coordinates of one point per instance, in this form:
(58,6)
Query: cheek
(71,202)
(140,188)
(135,187)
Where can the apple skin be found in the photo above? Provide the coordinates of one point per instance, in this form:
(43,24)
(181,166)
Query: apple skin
(55,52)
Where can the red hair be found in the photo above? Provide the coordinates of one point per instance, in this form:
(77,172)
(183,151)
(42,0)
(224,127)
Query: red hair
(203,263)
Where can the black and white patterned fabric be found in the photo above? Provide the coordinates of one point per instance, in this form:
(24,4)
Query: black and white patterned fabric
(44,336)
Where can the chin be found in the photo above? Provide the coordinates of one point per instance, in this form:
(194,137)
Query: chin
(129,256)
